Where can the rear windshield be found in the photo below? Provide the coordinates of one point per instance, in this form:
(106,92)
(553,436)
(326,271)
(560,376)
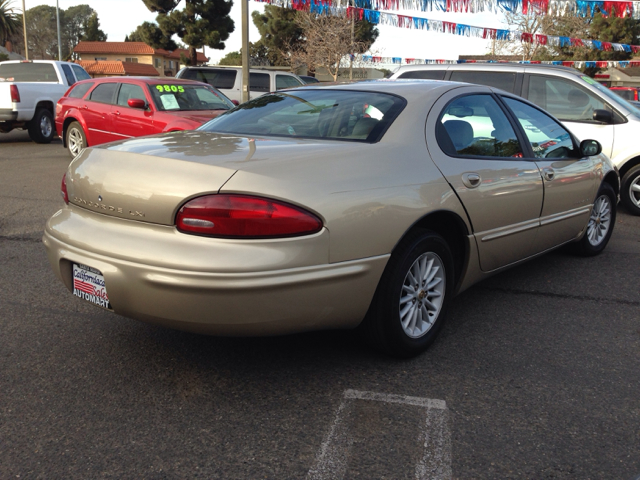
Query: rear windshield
(217,78)
(28,72)
(174,97)
(331,114)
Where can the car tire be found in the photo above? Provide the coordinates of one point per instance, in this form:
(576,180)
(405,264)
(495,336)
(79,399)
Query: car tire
(630,190)
(601,222)
(41,128)
(76,139)
(404,318)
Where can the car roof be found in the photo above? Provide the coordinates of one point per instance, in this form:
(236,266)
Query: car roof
(513,66)
(145,80)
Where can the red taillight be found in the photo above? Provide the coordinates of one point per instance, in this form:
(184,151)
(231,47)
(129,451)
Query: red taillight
(242,216)
(63,189)
(15,94)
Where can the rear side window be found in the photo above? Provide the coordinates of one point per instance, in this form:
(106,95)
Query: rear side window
(28,72)
(286,81)
(68,74)
(129,91)
(104,93)
(80,90)
(80,72)
(564,99)
(424,74)
(504,80)
(259,82)
(216,78)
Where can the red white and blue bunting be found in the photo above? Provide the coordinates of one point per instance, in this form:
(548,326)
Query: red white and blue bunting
(583,8)
(374,60)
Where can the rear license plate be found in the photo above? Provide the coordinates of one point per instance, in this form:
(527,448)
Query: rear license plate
(88,284)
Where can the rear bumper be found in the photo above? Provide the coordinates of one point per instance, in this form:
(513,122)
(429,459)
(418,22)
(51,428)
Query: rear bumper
(260,300)
(7,115)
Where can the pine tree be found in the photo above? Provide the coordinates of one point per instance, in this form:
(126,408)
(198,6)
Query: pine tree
(200,23)
(92,32)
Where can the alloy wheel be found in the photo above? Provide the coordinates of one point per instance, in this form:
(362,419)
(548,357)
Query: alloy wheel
(75,141)
(422,295)
(600,220)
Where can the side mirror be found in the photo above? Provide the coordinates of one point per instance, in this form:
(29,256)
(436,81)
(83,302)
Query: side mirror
(235,102)
(137,103)
(589,148)
(604,116)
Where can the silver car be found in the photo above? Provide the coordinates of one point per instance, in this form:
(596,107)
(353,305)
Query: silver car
(367,205)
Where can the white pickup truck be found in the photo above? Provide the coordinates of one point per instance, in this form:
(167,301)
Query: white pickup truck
(29,92)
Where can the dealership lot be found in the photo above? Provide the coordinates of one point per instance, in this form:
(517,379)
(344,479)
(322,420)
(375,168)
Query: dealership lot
(536,375)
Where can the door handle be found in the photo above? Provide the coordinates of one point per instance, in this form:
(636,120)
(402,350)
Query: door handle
(471,180)
(548,173)
(115,113)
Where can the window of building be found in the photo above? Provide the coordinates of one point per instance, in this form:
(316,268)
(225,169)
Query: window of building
(131,59)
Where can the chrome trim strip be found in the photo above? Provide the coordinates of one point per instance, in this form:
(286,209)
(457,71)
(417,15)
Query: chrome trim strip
(510,230)
(110,133)
(558,217)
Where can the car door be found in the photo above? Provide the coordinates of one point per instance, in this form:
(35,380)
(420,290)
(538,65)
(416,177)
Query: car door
(570,181)
(96,111)
(472,141)
(573,105)
(132,122)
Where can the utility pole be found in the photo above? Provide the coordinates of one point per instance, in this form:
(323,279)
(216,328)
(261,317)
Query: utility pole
(59,41)
(24,30)
(353,27)
(245,50)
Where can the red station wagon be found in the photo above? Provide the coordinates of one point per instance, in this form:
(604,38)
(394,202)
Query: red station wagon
(108,109)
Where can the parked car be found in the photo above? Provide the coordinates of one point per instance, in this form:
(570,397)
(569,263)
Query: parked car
(628,93)
(29,91)
(587,108)
(108,109)
(298,211)
(308,79)
(229,80)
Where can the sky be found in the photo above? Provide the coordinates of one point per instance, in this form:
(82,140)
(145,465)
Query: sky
(120,17)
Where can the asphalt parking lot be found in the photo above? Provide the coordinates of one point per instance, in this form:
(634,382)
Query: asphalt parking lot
(535,375)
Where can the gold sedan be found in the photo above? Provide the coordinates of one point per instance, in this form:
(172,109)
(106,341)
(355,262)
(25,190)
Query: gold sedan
(367,205)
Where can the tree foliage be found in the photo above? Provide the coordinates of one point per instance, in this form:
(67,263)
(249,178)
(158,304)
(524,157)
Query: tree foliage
(10,21)
(200,23)
(279,32)
(92,32)
(42,33)
(327,41)
(151,34)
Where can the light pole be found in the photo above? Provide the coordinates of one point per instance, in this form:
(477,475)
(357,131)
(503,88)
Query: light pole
(24,30)
(59,41)
(245,50)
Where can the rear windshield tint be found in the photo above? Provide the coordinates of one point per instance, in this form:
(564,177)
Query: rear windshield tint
(28,72)
(327,114)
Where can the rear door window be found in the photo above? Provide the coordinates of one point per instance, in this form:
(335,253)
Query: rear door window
(104,93)
(286,81)
(68,74)
(218,78)
(564,99)
(80,90)
(503,80)
(259,82)
(424,74)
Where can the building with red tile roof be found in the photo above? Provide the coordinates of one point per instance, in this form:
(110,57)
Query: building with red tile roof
(166,63)
(106,68)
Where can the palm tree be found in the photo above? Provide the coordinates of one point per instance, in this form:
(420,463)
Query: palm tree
(9,21)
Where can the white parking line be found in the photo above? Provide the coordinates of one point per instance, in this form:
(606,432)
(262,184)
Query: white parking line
(333,458)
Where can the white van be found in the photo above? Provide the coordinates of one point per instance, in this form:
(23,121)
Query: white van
(587,108)
(229,80)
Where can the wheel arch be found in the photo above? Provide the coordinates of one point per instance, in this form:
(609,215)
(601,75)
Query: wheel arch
(612,179)
(628,165)
(454,230)
(65,125)
(47,105)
